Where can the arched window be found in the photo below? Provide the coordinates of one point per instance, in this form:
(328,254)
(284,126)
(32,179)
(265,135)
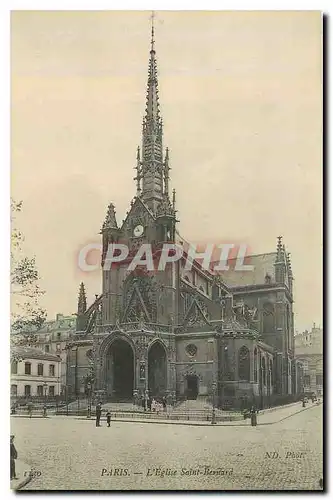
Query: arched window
(14,367)
(27,369)
(263,370)
(271,372)
(255,365)
(268,318)
(244,363)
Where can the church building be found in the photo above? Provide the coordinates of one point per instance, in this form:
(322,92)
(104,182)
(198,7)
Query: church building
(179,333)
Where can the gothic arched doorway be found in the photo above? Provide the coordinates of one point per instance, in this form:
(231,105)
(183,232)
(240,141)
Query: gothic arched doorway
(192,386)
(119,371)
(157,370)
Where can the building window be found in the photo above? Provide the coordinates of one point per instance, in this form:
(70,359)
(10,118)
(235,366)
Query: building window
(268,318)
(47,348)
(58,347)
(40,369)
(255,365)
(59,335)
(244,363)
(51,370)
(39,390)
(13,390)
(14,367)
(51,390)
(27,390)
(319,380)
(27,370)
(263,371)
(307,380)
(271,372)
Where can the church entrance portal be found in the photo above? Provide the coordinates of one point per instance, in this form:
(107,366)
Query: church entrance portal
(120,371)
(157,370)
(192,388)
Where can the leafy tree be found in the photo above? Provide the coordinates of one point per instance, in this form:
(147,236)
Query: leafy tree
(26,314)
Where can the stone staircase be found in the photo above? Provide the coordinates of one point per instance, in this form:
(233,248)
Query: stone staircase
(121,407)
(201,410)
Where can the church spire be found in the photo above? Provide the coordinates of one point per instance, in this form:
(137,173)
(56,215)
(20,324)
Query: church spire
(152,168)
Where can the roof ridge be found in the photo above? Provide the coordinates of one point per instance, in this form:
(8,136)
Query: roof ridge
(251,255)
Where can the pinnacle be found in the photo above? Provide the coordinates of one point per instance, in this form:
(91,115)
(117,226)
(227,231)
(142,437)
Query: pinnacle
(110,219)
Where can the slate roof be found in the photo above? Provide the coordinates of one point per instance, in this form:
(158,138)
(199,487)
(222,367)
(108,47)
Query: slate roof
(26,352)
(263,264)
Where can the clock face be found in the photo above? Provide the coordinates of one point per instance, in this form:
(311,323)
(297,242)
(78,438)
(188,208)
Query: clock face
(138,230)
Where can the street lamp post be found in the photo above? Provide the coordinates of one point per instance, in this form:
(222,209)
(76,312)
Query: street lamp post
(45,392)
(213,412)
(89,400)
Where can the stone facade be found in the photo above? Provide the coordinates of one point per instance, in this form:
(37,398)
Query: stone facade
(52,338)
(177,332)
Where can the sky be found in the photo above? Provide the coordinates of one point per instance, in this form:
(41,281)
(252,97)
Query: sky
(241,100)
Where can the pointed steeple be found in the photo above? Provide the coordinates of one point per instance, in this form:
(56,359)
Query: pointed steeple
(82,302)
(110,221)
(151,165)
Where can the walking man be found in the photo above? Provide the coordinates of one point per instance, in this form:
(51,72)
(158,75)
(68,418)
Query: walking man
(98,414)
(13,457)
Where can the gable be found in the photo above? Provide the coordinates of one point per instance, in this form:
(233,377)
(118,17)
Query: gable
(138,214)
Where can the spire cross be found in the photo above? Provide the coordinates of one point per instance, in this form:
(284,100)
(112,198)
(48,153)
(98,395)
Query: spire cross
(152,17)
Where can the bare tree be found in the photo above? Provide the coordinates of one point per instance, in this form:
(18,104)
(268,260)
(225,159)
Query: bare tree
(26,314)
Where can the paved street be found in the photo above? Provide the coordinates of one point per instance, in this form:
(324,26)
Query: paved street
(72,454)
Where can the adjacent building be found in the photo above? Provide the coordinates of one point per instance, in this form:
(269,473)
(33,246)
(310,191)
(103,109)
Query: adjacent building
(34,373)
(53,338)
(309,351)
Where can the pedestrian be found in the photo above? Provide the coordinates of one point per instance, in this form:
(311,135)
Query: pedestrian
(98,414)
(164,403)
(143,403)
(108,418)
(149,404)
(13,457)
(253,413)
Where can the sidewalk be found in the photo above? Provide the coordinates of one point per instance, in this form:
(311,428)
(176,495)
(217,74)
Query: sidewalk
(22,472)
(266,417)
